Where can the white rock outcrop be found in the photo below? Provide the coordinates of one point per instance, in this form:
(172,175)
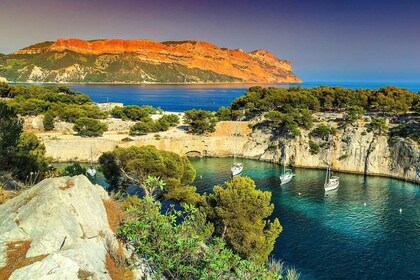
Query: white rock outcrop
(65,219)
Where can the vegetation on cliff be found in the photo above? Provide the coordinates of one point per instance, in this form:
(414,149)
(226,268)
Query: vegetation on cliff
(234,217)
(21,153)
(286,110)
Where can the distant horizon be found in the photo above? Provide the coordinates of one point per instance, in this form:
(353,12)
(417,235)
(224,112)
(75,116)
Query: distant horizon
(324,39)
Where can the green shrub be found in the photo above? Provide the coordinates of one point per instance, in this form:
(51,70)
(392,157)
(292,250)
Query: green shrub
(200,121)
(378,126)
(90,127)
(178,245)
(323,131)
(48,121)
(74,170)
(313,147)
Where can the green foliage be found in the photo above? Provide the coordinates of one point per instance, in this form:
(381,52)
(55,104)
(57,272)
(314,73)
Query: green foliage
(136,163)
(171,119)
(10,130)
(177,245)
(34,100)
(48,121)
(132,112)
(354,113)
(224,114)
(90,127)
(378,125)
(111,170)
(30,160)
(283,122)
(4,89)
(147,125)
(74,170)
(313,147)
(258,100)
(200,121)
(240,213)
(323,131)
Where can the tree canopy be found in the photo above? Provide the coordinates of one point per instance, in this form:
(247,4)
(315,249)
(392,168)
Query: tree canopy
(240,212)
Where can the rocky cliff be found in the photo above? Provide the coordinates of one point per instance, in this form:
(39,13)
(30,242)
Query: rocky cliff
(142,61)
(58,229)
(351,150)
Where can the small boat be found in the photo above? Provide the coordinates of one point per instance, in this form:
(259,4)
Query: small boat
(91,171)
(237,167)
(287,176)
(331,182)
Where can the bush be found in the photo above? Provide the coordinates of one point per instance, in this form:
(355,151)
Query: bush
(313,147)
(139,162)
(132,112)
(74,170)
(323,131)
(178,245)
(90,127)
(378,126)
(355,112)
(48,121)
(240,213)
(200,121)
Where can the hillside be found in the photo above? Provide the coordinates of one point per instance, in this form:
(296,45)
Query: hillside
(142,61)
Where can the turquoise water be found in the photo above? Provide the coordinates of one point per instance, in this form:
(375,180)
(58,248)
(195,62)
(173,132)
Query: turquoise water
(356,232)
(178,98)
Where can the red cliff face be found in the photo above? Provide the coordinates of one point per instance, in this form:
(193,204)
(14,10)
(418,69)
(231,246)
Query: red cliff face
(258,66)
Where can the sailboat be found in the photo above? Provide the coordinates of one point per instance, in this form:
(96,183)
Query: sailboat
(91,170)
(286,176)
(237,167)
(331,182)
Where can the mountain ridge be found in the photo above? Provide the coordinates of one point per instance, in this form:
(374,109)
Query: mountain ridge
(143,61)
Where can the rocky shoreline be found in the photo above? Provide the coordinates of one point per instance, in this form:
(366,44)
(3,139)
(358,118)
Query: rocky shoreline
(353,150)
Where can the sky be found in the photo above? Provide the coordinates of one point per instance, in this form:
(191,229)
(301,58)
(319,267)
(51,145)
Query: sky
(326,40)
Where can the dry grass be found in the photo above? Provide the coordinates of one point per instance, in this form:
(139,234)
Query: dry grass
(6,195)
(68,185)
(114,214)
(116,263)
(16,258)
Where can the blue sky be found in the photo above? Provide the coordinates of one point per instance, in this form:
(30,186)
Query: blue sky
(326,40)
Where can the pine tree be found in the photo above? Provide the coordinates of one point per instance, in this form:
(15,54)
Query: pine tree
(240,213)
(48,121)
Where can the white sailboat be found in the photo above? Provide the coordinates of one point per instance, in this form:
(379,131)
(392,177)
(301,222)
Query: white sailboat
(91,171)
(287,174)
(237,167)
(331,182)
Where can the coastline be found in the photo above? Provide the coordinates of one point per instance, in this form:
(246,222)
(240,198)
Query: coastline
(63,146)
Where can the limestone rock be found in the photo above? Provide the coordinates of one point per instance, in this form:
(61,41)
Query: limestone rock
(65,219)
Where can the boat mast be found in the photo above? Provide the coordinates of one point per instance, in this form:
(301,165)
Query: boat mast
(236,145)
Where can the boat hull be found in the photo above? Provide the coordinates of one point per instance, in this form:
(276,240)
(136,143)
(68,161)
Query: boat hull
(332,185)
(286,178)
